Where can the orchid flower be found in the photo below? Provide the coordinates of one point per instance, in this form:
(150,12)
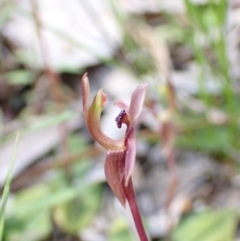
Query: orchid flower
(121,154)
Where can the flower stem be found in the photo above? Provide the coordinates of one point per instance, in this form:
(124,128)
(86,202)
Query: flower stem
(135,211)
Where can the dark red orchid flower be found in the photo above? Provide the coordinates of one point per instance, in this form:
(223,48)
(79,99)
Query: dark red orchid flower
(121,155)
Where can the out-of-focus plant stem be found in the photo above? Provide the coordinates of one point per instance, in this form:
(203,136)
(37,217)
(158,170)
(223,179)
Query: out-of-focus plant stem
(54,78)
(6,188)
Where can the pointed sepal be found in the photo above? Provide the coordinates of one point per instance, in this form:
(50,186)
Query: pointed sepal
(137,102)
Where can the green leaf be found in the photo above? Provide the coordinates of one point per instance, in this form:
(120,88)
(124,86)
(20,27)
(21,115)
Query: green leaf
(75,214)
(28,217)
(214,139)
(28,58)
(76,143)
(43,197)
(19,77)
(7,187)
(207,226)
(33,228)
(119,231)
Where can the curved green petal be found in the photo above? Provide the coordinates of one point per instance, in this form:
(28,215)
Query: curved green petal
(94,126)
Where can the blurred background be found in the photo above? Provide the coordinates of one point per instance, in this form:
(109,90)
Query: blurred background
(187,172)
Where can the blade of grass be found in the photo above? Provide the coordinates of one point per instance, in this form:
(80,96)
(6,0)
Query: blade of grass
(198,29)
(7,187)
(35,124)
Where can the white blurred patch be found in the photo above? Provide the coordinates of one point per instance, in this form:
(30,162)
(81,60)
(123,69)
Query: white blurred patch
(75,33)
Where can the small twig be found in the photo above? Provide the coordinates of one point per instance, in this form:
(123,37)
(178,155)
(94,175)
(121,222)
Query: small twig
(54,78)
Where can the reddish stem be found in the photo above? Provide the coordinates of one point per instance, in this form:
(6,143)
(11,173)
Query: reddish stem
(129,192)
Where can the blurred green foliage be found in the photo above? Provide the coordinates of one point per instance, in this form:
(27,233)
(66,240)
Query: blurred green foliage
(207,226)
(73,206)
